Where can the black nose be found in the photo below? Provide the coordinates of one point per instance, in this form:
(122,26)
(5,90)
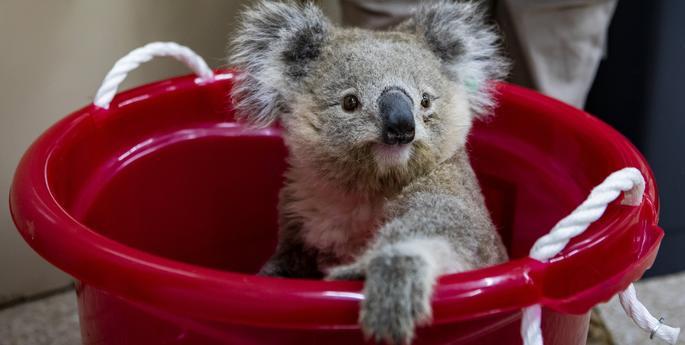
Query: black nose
(397,116)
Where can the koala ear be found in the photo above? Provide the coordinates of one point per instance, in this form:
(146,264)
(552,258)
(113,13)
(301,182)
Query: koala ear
(457,33)
(274,48)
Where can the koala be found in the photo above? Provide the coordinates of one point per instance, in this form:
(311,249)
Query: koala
(379,185)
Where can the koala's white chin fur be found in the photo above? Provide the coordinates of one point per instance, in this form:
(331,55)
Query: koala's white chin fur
(389,156)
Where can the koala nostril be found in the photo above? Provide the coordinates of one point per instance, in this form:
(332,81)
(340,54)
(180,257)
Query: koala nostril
(407,137)
(398,130)
(397,116)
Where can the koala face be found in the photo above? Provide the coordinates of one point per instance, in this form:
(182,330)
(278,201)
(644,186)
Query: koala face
(365,109)
(379,99)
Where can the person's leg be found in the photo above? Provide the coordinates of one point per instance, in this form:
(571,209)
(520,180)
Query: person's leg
(376,14)
(561,43)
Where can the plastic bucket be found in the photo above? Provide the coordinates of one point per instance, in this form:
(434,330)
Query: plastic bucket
(162,208)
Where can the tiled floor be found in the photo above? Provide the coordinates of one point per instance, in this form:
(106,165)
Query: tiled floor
(664,297)
(49,321)
(54,320)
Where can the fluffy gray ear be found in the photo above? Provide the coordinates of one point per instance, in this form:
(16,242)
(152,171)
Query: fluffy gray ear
(275,45)
(457,33)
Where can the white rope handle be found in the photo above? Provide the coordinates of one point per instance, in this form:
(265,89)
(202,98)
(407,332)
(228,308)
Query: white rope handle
(629,181)
(138,56)
(643,319)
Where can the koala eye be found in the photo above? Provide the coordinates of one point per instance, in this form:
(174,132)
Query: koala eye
(350,103)
(425,100)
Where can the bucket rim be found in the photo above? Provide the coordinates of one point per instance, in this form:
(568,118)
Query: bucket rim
(211,294)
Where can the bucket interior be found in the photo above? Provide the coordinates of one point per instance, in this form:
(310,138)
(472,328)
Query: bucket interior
(175,176)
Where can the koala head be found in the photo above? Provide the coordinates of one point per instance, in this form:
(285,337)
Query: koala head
(366,110)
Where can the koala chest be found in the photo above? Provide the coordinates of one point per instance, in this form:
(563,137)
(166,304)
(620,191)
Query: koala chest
(339,227)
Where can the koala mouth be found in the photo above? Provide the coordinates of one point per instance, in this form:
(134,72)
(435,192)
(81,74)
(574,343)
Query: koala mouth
(389,156)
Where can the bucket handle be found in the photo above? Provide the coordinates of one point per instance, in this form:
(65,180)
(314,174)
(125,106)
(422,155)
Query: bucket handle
(136,57)
(630,182)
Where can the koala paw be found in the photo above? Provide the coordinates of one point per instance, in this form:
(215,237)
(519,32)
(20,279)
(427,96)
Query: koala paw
(397,297)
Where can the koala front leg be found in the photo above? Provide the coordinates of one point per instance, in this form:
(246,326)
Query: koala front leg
(400,278)
(430,235)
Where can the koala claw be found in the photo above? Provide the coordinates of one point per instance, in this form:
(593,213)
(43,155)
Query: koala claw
(396,299)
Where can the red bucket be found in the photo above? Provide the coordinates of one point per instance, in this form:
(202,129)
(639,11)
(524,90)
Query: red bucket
(163,208)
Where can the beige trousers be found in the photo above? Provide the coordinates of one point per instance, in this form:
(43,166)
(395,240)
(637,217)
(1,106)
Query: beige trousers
(556,45)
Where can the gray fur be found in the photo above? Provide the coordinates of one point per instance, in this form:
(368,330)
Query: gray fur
(458,34)
(395,298)
(274,45)
(352,207)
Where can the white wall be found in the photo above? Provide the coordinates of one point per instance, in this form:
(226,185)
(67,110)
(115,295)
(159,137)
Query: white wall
(53,54)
